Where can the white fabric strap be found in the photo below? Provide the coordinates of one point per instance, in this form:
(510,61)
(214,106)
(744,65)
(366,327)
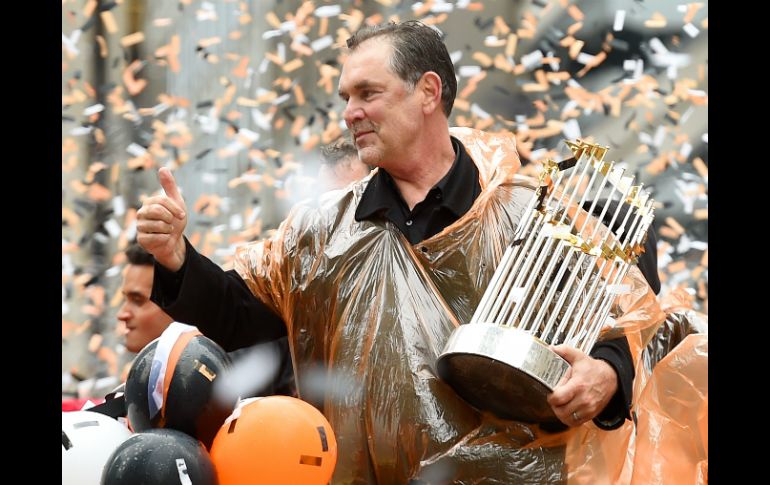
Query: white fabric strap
(166,342)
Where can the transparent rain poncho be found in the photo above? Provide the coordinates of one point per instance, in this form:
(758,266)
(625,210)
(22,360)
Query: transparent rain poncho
(368,313)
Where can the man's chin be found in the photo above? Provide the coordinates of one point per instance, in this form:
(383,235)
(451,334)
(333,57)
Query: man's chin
(132,345)
(369,155)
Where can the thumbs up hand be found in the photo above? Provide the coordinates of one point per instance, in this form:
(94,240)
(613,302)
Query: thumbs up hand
(160,223)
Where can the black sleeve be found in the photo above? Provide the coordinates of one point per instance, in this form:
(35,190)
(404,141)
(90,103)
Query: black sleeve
(617,353)
(218,302)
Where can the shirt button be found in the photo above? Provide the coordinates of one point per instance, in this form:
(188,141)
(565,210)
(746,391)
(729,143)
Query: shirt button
(409,222)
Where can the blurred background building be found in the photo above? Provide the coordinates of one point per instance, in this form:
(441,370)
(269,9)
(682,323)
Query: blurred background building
(237,96)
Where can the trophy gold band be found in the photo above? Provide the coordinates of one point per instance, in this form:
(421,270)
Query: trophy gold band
(555,284)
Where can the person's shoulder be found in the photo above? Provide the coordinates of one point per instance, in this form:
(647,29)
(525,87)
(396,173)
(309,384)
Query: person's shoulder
(486,140)
(327,208)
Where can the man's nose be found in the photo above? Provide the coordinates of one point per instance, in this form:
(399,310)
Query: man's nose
(352,113)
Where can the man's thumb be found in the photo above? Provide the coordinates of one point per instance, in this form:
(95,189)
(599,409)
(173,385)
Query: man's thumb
(566,352)
(169,186)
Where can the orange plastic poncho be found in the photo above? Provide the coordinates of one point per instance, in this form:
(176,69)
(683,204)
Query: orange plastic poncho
(368,314)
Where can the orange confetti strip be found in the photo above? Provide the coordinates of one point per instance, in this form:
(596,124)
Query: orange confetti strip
(76,96)
(67,327)
(283,82)
(78,187)
(435,20)
(540,86)
(701,214)
(675,225)
(275,59)
(302,49)
(502,63)
(299,95)
(501,28)
(331,132)
(658,21)
(266,97)
(70,217)
(109,21)
(510,46)
(311,142)
(525,33)
(70,164)
(323,25)
(575,49)
(293,65)
(95,342)
(249,103)
(697,272)
(482,59)
(241,69)
(423,9)
(90,91)
(99,193)
(575,12)
(68,145)
(701,167)
(595,61)
(461,104)
(103,51)
(296,127)
(676,267)
(132,39)
(572,29)
(557,76)
(273,20)
(133,86)
(692,9)
(89,8)
(209,41)
(303,12)
(666,231)
(171,52)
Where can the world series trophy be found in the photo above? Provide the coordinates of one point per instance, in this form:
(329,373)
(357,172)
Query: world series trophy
(555,284)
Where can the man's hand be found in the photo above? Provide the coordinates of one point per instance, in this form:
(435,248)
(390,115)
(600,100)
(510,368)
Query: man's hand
(160,223)
(585,390)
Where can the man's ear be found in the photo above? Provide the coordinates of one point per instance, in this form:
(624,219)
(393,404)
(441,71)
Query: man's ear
(430,86)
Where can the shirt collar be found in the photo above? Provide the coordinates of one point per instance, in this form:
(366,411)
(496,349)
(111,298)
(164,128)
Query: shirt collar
(381,194)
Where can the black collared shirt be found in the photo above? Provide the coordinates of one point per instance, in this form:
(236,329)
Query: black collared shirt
(446,202)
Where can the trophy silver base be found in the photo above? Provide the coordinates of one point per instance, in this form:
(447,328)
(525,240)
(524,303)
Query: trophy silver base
(503,370)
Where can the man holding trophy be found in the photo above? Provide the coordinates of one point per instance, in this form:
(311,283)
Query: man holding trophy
(371,282)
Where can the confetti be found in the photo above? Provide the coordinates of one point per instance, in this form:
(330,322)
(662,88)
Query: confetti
(245,103)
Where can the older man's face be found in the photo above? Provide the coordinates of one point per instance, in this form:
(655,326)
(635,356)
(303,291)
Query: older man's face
(382,112)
